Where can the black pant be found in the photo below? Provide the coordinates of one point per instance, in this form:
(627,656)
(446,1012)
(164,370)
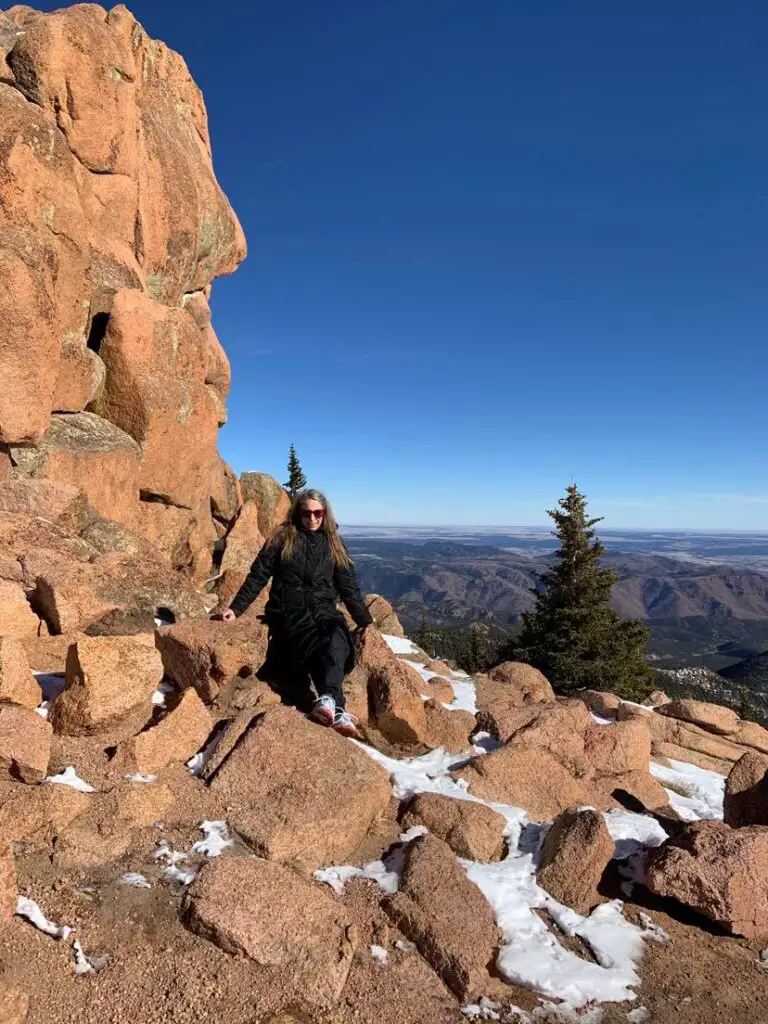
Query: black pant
(326,669)
(291,680)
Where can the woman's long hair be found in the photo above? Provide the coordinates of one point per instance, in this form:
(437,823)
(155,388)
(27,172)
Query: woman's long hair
(285,534)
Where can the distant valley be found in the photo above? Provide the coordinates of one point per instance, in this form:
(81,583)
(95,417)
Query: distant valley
(705,596)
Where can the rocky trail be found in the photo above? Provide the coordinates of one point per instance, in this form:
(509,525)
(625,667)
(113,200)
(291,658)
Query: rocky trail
(177,846)
(266,869)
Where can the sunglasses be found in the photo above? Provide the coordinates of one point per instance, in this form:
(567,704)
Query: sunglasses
(313,513)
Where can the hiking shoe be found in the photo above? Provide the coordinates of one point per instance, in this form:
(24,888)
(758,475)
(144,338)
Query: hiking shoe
(323,711)
(344,723)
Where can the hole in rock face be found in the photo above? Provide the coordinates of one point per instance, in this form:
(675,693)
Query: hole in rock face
(164,616)
(98,330)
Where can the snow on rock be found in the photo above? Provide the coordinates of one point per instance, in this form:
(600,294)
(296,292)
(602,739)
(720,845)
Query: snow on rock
(485,1009)
(31,911)
(379,953)
(134,879)
(651,929)
(530,954)
(217,838)
(161,694)
(632,832)
(82,964)
(385,873)
(170,859)
(464,695)
(695,793)
(139,777)
(427,774)
(400,644)
(198,761)
(68,777)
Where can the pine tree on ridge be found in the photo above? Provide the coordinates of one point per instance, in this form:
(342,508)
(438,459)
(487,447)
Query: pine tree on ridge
(296,480)
(573,635)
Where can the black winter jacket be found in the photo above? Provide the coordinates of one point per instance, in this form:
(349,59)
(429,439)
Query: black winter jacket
(301,611)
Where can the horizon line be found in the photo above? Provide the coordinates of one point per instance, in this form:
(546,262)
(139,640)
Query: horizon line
(550,529)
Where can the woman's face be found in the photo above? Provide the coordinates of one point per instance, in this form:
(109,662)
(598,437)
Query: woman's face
(312,513)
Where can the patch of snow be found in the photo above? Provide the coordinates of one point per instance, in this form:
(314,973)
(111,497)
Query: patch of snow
(602,721)
(638,1016)
(530,954)
(695,793)
(198,761)
(425,673)
(379,953)
(44,709)
(405,946)
(171,859)
(385,873)
(82,963)
(400,644)
(133,878)
(651,930)
(138,777)
(163,691)
(485,1009)
(217,838)
(68,777)
(465,695)
(31,911)
(633,832)
(426,774)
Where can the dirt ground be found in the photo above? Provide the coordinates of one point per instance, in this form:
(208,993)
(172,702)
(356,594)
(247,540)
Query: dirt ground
(154,971)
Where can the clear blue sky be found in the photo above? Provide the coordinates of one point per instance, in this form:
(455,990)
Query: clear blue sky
(494,246)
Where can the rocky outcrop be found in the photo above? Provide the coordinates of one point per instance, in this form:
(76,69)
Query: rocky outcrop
(685,740)
(273,916)
(617,749)
(712,717)
(17,684)
(176,737)
(110,235)
(446,915)
(25,744)
(530,777)
(471,829)
(204,654)
(745,801)
(718,871)
(109,687)
(504,691)
(575,854)
(296,791)
(394,692)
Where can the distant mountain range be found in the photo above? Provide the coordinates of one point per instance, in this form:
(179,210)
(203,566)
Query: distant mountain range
(701,610)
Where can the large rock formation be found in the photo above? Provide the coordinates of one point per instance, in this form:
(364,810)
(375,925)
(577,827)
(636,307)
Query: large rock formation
(112,227)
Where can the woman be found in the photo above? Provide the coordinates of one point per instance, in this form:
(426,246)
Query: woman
(310,570)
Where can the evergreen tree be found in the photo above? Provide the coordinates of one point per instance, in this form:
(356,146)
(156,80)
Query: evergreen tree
(479,649)
(296,480)
(425,638)
(573,635)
